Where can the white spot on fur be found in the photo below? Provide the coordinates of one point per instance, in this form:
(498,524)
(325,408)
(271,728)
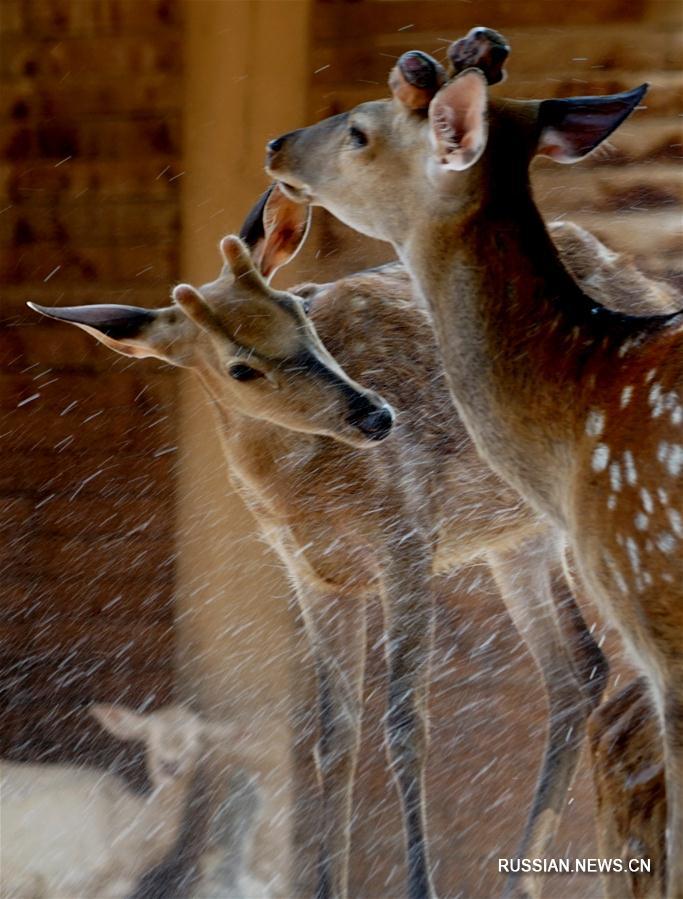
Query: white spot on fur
(633,554)
(641,521)
(666,542)
(615,476)
(630,468)
(654,398)
(671,455)
(626,395)
(595,423)
(675,462)
(650,375)
(646,500)
(600,457)
(676,522)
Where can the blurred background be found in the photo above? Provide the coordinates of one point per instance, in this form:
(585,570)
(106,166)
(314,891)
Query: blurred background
(132,139)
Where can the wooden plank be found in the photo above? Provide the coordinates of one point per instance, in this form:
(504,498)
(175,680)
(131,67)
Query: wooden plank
(336,20)
(149,178)
(537,50)
(124,224)
(100,96)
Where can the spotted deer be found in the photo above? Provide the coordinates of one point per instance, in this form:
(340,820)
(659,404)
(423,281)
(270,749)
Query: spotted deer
(576,406)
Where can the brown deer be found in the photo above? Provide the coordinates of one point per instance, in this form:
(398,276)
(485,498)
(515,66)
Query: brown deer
(577,407)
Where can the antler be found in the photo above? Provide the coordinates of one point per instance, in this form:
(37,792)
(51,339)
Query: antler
(415,79)
(481,48)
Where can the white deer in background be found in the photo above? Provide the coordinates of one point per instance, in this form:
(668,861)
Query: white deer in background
(82,833)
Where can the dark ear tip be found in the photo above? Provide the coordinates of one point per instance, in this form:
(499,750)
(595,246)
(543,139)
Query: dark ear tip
(420,70)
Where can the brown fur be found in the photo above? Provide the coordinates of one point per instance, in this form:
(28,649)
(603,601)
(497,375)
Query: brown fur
(630,797)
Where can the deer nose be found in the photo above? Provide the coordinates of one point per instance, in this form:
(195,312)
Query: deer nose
(374,422)
(275,145)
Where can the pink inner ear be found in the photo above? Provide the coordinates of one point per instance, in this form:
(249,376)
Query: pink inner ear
(458,118)
(554,146)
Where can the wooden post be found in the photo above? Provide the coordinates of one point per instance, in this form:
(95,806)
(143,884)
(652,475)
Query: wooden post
(246,80)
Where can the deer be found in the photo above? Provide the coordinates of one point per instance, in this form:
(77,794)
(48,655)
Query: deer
(348,522)
(83,832)
(211,856)
(577,407)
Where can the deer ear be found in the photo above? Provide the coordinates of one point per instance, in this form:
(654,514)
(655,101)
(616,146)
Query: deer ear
(458,120)
(574,127)
(120,721)
(129,330)
(275,230)
(286,225)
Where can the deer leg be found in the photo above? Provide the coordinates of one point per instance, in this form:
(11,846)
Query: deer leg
(525,577)
(673,755)
(336,631)
(628,774)
(590,664)
(408,610)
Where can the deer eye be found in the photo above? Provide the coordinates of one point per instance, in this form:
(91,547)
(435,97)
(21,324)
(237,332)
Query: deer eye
(357,137)
(242,372)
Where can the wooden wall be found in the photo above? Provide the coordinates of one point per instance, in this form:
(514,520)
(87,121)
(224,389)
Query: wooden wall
(89,211)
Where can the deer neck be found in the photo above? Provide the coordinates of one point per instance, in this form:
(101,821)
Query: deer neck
(162,813)
(519,339)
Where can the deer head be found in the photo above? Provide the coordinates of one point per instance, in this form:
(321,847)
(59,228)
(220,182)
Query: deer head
(254,347)
(174,737)
(437,150)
